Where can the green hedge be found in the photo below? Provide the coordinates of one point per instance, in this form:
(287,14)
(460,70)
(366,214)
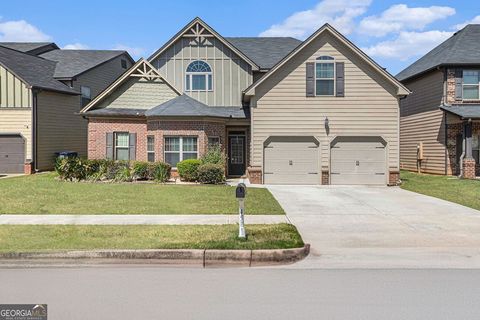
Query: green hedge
(210,173)
(188,169)
(78,169)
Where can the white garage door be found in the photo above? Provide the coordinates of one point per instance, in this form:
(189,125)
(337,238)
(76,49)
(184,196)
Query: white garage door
(291,160)
(358,160)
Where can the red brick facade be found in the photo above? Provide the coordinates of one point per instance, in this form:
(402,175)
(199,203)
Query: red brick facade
(255,175)
(99,127)
(453,130)
(469,168)
(394,178)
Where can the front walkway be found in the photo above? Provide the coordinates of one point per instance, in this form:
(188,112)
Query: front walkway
(116,219)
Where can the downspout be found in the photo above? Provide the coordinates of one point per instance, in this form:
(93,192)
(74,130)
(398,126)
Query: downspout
(464,142)
(34,129)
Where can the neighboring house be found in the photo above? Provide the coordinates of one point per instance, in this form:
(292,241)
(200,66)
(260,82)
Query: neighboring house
(42,89)
(285,111)
(440,120)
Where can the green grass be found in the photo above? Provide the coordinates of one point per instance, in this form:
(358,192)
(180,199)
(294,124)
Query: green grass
(461,191)
(24,238)
(43,194)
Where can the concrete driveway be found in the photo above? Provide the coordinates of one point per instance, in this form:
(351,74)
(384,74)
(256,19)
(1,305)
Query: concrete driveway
(380,227)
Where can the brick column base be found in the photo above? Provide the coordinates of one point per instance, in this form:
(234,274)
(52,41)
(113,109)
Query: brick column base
(468,168)
(394,178)
(28,167)
(325,177)
(254,175)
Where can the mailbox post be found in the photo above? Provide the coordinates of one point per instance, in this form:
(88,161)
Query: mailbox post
(240,194)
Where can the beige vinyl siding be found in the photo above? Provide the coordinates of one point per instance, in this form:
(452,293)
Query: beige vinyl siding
(370,106)
(231,74)
(18,120)
(59,128)
(99,78)
(14,93)
(421,120)
(139,93)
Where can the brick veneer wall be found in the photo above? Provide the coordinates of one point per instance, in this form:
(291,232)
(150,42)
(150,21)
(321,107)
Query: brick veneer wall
(451,90)
(452,131)
(98,128)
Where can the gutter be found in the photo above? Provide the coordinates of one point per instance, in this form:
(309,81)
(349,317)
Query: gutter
(34,129)
(464,143)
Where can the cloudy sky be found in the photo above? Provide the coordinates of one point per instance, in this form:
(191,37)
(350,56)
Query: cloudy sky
(393,33)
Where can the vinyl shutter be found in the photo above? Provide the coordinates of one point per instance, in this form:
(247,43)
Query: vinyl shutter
(132,146)
(340,79)
(109,144)
(310,74)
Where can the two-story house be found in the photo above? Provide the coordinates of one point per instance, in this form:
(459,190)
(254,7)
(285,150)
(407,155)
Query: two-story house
(42,89)
(285,111)
(440,120)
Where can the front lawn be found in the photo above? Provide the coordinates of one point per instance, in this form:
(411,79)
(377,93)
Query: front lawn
(461,191)
(43,194)
(28,238)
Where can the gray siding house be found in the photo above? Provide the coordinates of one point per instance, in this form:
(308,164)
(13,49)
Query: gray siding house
(42,89)
(284,111)
(440,120)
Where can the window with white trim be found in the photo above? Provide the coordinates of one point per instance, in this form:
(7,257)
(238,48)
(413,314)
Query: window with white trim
(471,84)
(198,77)
(325,76)
(180,148)
(151,148)
(121,146)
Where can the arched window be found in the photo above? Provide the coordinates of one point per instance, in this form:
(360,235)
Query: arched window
(325,76)
(198,77)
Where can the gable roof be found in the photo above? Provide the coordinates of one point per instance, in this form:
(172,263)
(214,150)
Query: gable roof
(34,48)
(265,51)
(192,23)
(185,106)
(34,71)
(142,68)
(402,90)
(71,63)
(463,48)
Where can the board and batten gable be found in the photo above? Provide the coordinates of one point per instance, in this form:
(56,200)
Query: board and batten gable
(370,107)
(421,120)
(231,74)
(15,108)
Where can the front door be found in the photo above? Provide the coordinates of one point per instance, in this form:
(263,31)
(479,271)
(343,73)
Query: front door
(236,154)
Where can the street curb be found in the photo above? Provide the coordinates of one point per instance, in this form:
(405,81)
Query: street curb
(188,257)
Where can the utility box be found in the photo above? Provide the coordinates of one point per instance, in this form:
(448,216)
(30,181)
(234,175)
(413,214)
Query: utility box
(420,151)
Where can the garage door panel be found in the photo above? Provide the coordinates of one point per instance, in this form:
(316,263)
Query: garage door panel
(12,154)
(292,162)
(359,160)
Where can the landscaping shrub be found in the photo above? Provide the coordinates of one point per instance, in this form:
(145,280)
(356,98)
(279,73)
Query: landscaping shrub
(123,174)
(71,168)
(160,171)
(140,170)
(214,155)
(188,169)
(211,173)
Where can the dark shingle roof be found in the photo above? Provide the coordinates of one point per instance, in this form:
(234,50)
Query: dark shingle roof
(463,48)
(30,47)
(74,62)
(465,112)
(264,51)
(36,71)
(185,106)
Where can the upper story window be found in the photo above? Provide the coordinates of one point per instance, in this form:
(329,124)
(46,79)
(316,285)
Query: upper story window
(198,77)
(471,84)
(86,95)
(325,76)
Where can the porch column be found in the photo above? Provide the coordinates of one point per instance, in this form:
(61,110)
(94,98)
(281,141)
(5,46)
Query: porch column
(468,161)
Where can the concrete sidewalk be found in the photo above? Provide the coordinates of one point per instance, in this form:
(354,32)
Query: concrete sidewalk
(115,219)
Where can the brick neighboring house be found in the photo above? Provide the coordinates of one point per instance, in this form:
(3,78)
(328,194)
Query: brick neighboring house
(440,120)
(284,111)
(42,89)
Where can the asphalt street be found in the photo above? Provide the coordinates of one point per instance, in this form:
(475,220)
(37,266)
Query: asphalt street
(150,292)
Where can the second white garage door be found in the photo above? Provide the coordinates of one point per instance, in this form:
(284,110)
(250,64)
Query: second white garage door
(358,160)
(291,160)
